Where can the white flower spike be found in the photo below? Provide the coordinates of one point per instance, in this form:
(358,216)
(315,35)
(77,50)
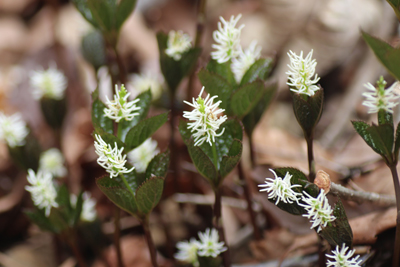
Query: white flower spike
(177,44)
(49,83)
(245,59)
(42,190)
(342,258)
(145,81)
(187,252)
(110,159)
(227,38)
(88,213)
(120,108)
(13,129)
(52,161)
(301,72)
(141,156)
(380,98)
(206,122)
(318,210)
(281,189)
(209,245)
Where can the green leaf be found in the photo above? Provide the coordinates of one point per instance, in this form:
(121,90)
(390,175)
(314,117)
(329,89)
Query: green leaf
(39,218)
(260,69)
(78,209)
(143,130)
(215,84)
(383,139)
(246,98)
(250,120)
(144,104)
(395,4)
(98,118)
(28,155)
(53,111)
(82,6)
(158,166)
(209,261)
(385,117)
(131,178)
(387,55)
(103,12)
(229,162)
(109,138)
(93,49)
(339,231)
(149,193)
(397,144)
(224,70)
(118,194)
(124,9)
(308,112)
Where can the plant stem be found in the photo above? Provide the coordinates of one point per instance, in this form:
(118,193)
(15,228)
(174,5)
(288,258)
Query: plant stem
(247,195)
(117,236)
(72,241)
(321,254)
(217,222)
(121,68)
(252,153)
(215,155)
(172,145)
(152,248)
(310,156)
(396,252)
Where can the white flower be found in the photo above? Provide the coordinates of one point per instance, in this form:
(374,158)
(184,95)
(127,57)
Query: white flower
(209,245)
(13,129)
(227,38)
(120,108)
(110,159)
(341,258)
(42,190)
(206,122)
(49,83)
(280,189)
(88,212)
(177,44)
(301,72)
(245,59)
(141,156)
(146,81)
(187,252)
(52,161)
(318,210)
(380,98)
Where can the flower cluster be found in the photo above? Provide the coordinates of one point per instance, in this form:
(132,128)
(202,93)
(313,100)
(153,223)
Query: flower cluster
(245,59)
(111,159)
(88,213)
(42,190)
(342,258)
(52,161)
(281,189)
(146,81)
(208,246)
(379,98)
(120,108)
(301,72)
(13,129)
(50,83)
(141,156)
(206,121)
(177,44)
(318,210)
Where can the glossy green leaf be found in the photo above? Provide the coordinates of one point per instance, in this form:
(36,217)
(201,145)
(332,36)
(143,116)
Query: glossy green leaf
(244,99)
(53,111)
(223,70)
(215,84)
(144,104)
(149,193)
(158,166)
(395,4)
(93,49)
(251,120)
(229,162)
(143,130)
(382,137)
(98,118)
(103,12)
(118,194)
(339,231)
(124,10)
(387,55)
(131,178)
(260,69)
(39,218)
(308,112)
(83,8)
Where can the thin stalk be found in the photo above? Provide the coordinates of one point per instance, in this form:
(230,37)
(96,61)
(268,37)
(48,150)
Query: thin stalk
(121,67)
(172,145)
(215,156)
(152,248)
(396,252)
(252,153)
(201,18)
(310,156)
(247,195)
(117,236)
(321,254)
(217,222)
(72,242)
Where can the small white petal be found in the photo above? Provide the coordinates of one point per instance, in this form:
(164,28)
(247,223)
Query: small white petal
(146,81)
(342,258)
(187,252)
(120,108)
(177,44)
(13,129)
(52,161)
(49,83)
(379,98)
(209,245)
(244,61)
(141,156)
